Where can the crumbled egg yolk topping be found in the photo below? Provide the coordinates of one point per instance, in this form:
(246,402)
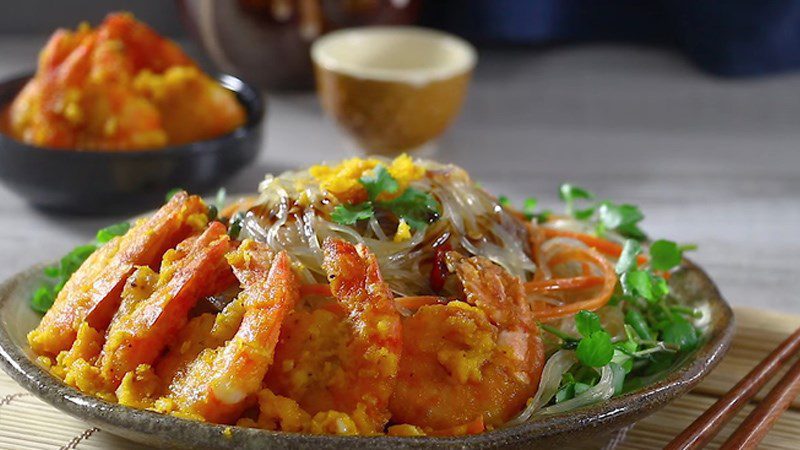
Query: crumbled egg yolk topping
(403,232)
(342,180)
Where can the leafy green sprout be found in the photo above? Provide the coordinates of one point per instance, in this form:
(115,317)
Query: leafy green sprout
(57,275)
(656,330)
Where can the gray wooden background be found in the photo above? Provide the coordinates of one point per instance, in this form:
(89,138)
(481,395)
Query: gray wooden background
(713,162)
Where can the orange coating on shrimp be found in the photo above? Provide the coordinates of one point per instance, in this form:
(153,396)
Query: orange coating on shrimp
(92,294)
(217,384)
(119,87)
(139,336)
(343,357)
(482,357)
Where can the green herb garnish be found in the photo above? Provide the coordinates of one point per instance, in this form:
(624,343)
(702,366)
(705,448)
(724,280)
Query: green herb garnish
(595,348)
(57,275)
(681,333)
(216,206)
(110,232)
(350,214)
(171,193)
(529,207)
(623,219)
(568,193)
(657,330)
(235,227)
(415,207)
(665,255)
(627,260)
(378,182)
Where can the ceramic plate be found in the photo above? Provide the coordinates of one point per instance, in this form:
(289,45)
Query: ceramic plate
(592,424)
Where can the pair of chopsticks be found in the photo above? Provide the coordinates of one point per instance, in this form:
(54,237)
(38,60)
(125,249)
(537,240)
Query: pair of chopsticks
(761,419)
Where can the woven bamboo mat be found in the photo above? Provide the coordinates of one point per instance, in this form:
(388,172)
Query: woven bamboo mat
(27,423)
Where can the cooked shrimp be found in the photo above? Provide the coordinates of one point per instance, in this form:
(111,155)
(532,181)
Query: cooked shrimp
(188,273)
(343,356)
(119,87)
(479,358)
(184,95)
(195,337)
(84,99)
(145,48)
(92,294)
(219,381)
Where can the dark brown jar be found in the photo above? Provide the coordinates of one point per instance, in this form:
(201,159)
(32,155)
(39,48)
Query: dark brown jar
(267,41)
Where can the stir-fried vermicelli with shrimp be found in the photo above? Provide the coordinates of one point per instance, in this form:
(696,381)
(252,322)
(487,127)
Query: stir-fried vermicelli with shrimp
(372,296)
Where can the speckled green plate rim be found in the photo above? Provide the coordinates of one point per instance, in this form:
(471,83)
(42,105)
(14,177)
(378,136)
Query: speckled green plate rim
(172,432)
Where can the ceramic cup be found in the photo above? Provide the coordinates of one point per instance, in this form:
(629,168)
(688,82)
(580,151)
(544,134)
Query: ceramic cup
(392,89)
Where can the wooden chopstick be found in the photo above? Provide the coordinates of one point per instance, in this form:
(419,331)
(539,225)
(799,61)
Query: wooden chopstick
(702,430)
(761,419)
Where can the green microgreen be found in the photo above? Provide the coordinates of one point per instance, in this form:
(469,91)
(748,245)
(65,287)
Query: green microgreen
(529,207)
(657,330)
(568,193)
(595,350)
(680,332)
(665,255)
(622,218)
(628,258)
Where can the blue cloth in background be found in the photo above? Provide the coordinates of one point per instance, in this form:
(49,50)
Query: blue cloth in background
(729,38)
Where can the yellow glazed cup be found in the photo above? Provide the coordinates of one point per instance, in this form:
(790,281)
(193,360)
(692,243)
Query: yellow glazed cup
(393,89)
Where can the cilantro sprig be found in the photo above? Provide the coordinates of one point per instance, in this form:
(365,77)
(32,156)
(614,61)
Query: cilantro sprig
(378,182)
(57,275)
(417,208)
(350,214)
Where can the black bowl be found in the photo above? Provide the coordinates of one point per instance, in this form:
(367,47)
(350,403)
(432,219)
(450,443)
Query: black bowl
(106,182)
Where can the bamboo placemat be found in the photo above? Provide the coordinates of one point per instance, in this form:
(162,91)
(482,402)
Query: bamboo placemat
(28,423)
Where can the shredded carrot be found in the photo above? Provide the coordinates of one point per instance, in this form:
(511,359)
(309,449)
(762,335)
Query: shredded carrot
(560,284)
(603,246)
(546,312)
